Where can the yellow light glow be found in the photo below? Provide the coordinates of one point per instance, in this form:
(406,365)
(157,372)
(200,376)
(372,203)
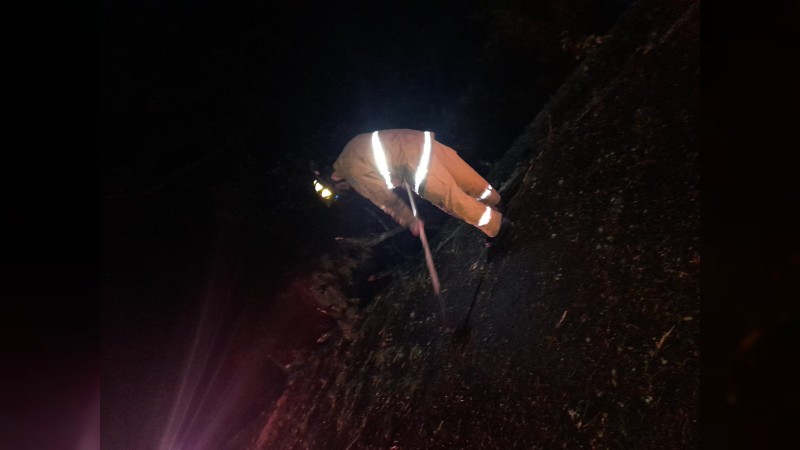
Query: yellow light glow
(326,193)
(317,186)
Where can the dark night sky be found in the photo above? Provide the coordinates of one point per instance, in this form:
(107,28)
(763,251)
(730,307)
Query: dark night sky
(231,102)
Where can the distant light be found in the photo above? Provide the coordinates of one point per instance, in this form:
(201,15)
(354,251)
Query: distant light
(326,193)
(317,186)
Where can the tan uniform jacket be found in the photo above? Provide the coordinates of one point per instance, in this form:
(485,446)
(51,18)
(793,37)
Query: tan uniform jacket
(450,183)
(356,163)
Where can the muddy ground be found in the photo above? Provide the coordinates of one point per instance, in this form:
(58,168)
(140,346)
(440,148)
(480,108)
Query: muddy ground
(582,331)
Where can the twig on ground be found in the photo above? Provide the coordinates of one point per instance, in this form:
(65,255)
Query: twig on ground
(663,338)
(563,316)
(371,240)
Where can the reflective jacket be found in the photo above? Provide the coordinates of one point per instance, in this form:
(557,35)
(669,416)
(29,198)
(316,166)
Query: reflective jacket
(403,151)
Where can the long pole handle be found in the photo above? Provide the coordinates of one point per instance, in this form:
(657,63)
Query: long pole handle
(429,260)
(424,239)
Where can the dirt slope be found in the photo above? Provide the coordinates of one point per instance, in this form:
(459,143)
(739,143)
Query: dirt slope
(583,332)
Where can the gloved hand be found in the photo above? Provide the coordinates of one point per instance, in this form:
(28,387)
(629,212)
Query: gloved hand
(416,226)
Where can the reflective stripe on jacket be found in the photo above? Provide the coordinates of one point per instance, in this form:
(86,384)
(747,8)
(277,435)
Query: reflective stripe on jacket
(361,166)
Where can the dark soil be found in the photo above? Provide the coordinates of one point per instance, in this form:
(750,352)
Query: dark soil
(582,329)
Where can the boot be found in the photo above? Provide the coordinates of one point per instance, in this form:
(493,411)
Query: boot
(502,235)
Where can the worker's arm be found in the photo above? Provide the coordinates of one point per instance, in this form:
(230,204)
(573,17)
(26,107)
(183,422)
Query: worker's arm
(416,226)
(373,187)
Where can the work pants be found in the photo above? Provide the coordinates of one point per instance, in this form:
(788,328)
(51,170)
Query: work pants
(456,188)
